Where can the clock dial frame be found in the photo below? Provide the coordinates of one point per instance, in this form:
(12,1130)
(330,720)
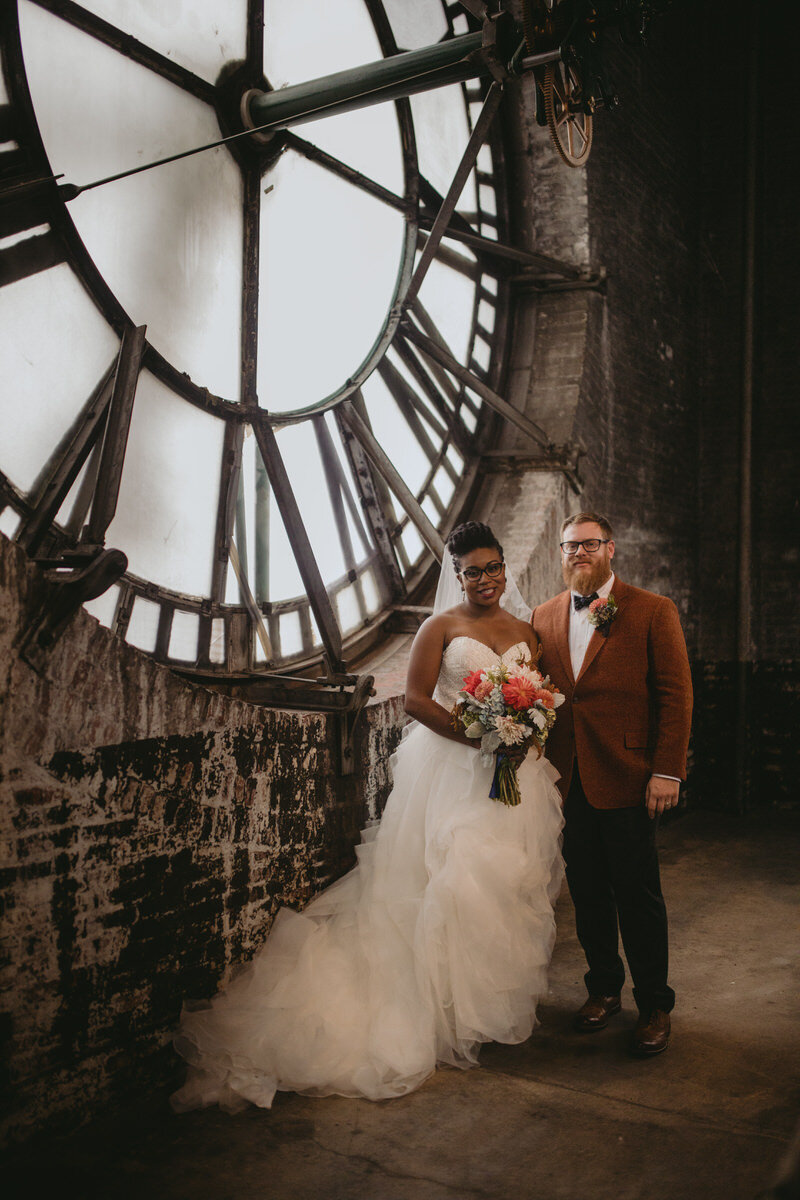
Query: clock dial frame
(450,405)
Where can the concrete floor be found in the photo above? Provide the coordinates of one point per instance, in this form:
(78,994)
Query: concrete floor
(562,1116)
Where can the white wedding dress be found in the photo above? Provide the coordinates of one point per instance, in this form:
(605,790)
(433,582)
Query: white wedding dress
(437,940)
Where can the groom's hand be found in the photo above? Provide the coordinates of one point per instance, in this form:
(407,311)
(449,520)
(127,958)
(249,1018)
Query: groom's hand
(660,795)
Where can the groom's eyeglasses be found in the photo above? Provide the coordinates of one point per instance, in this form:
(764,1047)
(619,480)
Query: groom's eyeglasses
(589,544)
(491,569)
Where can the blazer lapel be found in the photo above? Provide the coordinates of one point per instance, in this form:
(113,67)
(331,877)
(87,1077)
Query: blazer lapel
(598,641)
(561,638)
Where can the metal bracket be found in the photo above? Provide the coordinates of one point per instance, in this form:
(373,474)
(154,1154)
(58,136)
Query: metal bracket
(347,721)
(74,578)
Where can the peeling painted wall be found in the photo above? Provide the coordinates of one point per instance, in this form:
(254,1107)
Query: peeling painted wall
(150,831)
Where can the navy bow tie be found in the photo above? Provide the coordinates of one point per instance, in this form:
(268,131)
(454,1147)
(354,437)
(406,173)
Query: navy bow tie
(583,601)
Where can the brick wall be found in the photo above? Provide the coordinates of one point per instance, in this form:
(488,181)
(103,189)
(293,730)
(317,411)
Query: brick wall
(150,831)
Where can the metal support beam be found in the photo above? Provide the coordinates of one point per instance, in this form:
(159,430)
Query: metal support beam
(495,402)
(332,471)
(432,387)
(380,521)
(359,429)
(230,469)
(298,538)
(66,466)
(476,140)
(115,441)
(452,61)
(29,257)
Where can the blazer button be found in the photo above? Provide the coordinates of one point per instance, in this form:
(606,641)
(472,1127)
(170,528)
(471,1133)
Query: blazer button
(575,699)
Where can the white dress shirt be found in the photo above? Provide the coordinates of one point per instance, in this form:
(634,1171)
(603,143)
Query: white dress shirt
(580,630)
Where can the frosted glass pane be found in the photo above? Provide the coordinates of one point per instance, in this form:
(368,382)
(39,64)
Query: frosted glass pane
(489,284)
(371,595)
(217,646)
(54,349)
(488,199)
(481,353)
(291,634)
(183,636)
(9,522)
(412,543)
(394,435)
(486,315)
(170,485)
(329,262)
(201,35)
(454,457)
(429,508)
(416,22)
(468,418)
(444,486)
(343,37)
(484,161)
(102,608)
(168,242)
(3,90)
(448,299)
(304,39)
(143,626)
(349,613)
(442,132)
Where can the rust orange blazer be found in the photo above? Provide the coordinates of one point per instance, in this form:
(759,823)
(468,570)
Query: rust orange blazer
(628,714)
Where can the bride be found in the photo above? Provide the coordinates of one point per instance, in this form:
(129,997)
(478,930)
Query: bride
(440,937)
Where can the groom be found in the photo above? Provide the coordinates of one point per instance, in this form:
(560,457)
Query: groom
(618,654)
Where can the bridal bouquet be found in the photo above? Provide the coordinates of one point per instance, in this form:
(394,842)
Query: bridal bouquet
(503,706)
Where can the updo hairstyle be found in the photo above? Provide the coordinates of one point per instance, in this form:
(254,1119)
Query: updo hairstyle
(472,535)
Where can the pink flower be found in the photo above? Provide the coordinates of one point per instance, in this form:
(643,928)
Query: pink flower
(484,689)
(597,604)
(544,697)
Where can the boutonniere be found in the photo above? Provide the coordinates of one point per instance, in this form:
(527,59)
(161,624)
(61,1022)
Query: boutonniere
(601,614)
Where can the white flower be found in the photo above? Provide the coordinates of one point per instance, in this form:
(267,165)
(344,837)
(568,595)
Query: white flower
(511,732)
(538,717)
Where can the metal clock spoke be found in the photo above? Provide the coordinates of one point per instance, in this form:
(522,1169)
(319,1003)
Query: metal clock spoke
(255,35)
(348,173)
(130,46)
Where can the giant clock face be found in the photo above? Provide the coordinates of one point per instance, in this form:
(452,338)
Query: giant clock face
(270,276)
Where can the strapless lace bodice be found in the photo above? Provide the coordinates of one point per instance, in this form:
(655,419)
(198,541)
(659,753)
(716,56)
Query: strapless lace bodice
(462,656)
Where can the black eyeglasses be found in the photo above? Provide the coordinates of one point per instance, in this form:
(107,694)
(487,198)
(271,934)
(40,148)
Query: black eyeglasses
(491,569)
(589,544)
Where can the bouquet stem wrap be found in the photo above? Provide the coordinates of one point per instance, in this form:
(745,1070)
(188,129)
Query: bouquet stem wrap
(505,785)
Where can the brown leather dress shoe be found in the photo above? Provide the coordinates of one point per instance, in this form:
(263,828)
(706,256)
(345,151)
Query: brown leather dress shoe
(595,1013)
(651,1035)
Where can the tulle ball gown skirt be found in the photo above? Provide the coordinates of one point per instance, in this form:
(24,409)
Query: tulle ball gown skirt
(437,940)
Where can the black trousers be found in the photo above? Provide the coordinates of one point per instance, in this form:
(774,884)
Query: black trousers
(614,881)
